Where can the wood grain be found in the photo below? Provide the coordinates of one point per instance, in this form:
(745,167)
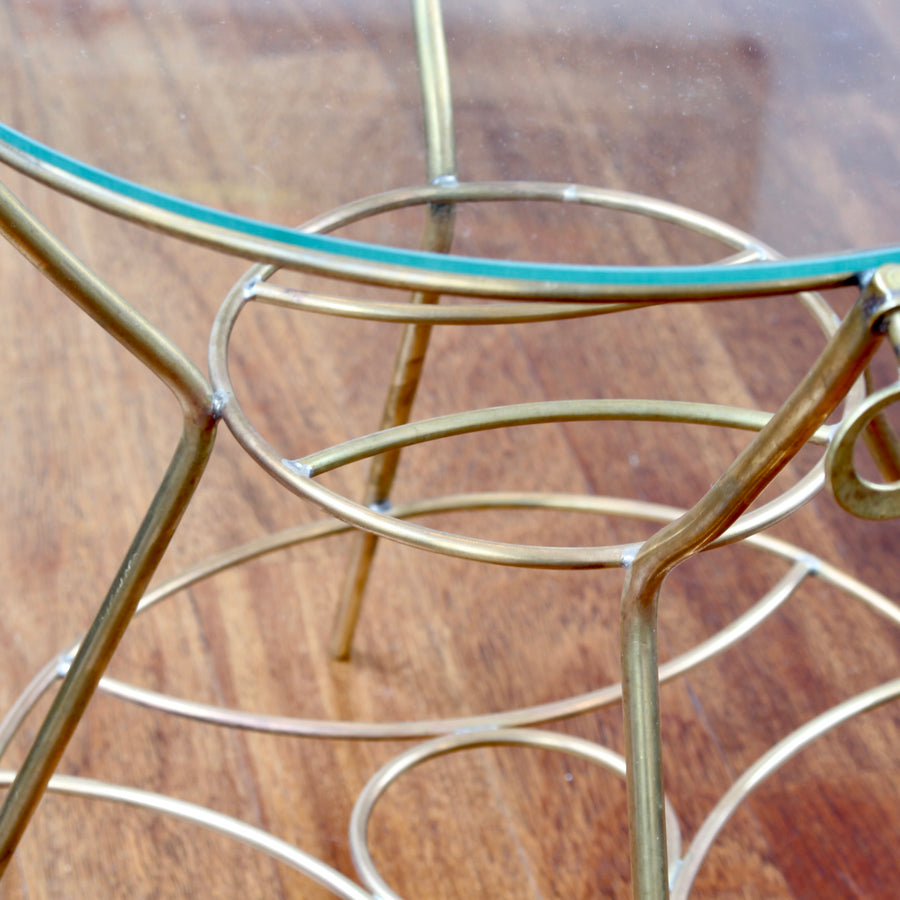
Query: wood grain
(282,110)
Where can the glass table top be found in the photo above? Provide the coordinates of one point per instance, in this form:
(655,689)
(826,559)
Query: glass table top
(254,116)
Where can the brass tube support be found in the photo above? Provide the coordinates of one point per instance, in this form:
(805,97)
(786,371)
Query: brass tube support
(160,355)
(843,360)
(434,80)
(104,636)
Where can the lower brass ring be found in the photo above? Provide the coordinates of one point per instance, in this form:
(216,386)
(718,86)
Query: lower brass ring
(486,737)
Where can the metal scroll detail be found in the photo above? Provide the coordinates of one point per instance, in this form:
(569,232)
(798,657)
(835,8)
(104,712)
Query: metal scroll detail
(856,494)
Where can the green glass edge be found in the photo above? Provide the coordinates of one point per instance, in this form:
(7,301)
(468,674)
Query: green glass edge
(812,268)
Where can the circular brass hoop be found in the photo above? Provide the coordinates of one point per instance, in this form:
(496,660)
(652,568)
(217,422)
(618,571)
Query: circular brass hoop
(299,480)
(523,737)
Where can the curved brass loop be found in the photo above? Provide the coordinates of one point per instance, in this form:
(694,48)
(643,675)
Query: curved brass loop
(489,737)
(856,494)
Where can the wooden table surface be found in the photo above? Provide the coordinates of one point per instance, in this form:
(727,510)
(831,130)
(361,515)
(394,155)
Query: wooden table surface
(787,129)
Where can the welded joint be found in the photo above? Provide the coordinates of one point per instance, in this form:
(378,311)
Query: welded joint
(220,400)
(629,554)
(300,468)
(446,181)
(249,289)
(64,663)
(810,562)
(881,298)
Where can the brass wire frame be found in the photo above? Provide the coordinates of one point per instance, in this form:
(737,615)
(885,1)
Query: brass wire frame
(799,421)
(455,735)
(683,872)
(803,566)
(722,515)
(440,144)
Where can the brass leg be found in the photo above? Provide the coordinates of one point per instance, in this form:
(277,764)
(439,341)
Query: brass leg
(104,635)
(349,607)
(438,236)
(188,384)
(640,698)
(840,364)
(397,408)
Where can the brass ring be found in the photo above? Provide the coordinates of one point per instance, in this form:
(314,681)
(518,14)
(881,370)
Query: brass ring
(857,495)
(552,741)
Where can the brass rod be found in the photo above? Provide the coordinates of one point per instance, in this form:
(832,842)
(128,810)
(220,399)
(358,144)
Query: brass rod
(554,710)
(397,409)
(434,84)
(294,475)
(765,766)
(456,314)
(61,267)
(26,701)
(440,146)
(104,635)
(803,565)
(539,412)
(444,190)
(337,884)
(454,743)
(843,360)
(188,384)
